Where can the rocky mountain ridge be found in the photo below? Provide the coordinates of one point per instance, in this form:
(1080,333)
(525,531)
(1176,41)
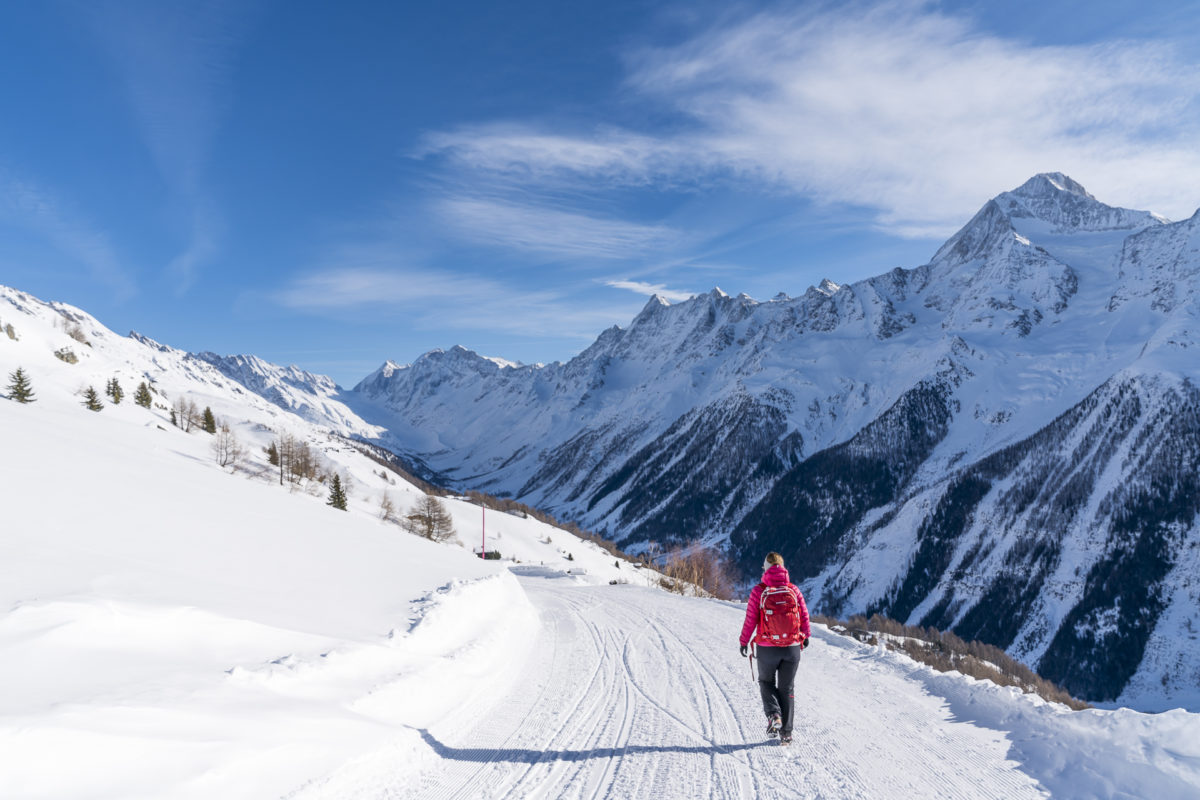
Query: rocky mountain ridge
(935,443)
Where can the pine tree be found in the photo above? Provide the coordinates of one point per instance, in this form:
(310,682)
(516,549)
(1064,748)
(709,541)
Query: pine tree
(91,399)
(174,418)
(142,395)
(115,391)
(19,388)
(210,422)
(337,497)
(272,454)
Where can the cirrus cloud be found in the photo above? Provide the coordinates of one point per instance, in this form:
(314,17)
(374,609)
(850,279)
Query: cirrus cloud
(910,112)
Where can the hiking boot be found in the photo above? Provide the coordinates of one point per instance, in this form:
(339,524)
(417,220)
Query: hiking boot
(773,725)
(785,738)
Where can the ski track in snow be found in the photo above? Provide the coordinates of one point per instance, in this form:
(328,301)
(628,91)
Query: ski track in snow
(630,693)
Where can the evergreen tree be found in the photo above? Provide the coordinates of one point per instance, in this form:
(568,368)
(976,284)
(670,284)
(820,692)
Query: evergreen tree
(142,395)
(91,399)
(19,388)
(115,391)
(337,497)
(210,422)
(272,454)
(174,418)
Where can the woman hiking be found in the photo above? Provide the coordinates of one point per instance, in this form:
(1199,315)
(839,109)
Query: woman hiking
(776,609)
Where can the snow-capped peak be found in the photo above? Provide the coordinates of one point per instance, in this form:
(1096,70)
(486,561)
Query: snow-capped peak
(1056,200)
(1048,184)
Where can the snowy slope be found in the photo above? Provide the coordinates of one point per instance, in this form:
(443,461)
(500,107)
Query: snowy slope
(259,401)
(173,629)
(861,429)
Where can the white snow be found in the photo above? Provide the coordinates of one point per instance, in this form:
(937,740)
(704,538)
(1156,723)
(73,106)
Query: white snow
(172,629)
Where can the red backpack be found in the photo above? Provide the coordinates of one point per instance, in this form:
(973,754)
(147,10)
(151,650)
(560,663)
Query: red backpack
(779,615)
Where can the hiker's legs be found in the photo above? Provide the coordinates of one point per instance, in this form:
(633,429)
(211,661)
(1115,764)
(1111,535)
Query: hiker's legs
(768,664)
(788,664)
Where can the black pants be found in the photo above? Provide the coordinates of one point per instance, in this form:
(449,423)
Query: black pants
(777,679)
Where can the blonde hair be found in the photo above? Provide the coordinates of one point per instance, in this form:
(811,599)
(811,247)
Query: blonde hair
(772,559)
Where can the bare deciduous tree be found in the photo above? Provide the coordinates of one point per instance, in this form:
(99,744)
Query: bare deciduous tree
(226,447)
(186,414)
(429,518)
(387,509)
(693,569)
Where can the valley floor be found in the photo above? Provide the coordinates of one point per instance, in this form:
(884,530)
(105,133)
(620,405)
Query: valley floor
(629,692)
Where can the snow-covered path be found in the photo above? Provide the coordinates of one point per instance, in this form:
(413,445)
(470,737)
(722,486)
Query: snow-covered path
(630,692)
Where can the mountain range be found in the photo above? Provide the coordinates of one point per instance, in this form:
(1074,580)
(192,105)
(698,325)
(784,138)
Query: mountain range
(1002,442)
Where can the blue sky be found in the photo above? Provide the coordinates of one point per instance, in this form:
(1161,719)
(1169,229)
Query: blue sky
(332,185)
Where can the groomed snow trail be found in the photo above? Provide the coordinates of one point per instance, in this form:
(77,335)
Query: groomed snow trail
(633,692)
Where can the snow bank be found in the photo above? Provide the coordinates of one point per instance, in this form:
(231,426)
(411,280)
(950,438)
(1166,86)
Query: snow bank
(1073,754)
(168,629)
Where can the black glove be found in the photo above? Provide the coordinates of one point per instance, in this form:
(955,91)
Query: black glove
(804,643)
(743,651)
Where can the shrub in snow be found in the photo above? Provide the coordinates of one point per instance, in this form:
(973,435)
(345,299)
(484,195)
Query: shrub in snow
(76,333)
(946,652)
(696,570)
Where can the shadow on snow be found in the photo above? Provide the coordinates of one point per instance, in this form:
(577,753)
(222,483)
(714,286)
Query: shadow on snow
(521,756)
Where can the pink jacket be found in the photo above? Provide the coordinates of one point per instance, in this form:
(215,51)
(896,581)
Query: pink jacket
(775,576)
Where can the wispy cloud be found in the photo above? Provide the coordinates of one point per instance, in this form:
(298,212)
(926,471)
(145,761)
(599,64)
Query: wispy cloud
(433,299)
(537,228)
(175,60)
(34,208)
(896,107)
(524,152)
(650,289)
